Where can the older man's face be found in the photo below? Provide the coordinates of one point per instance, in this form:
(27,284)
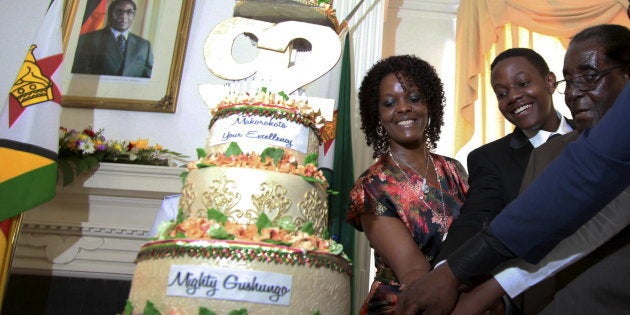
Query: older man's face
(122,16)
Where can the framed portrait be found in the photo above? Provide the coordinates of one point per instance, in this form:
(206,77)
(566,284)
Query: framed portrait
(124,54)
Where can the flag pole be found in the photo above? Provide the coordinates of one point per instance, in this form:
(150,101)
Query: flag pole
(14,226)
(344,22)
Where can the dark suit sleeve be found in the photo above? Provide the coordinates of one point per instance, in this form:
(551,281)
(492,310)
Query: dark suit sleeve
(483,202)
(588,174)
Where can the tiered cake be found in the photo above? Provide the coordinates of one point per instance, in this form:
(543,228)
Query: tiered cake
(250,235)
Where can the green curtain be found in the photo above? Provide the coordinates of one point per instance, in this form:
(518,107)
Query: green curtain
(342,177)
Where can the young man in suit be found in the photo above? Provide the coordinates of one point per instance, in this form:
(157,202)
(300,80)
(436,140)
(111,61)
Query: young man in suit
(114,50)
(524,86)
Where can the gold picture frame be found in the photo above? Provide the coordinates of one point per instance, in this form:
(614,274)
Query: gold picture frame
(166,25)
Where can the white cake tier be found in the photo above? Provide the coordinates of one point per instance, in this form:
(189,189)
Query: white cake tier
(180,276)
(242,194)
(255,133)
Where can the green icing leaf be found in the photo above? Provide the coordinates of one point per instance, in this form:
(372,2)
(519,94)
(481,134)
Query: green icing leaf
(308,228)
(263,89)
(216,215)
(263,222)
(316,312)
(205,311)
(204,165)
(180,216)
(233,149)
(275,154)
(335,248)
(216,231)
(311,158)
(164,229)
(183,176)
(128,308)
(325,234)
(284,95)
(311,179)
(150,309)
(241,311)
(180,234)
(332,192)
(286,223)
(201,153)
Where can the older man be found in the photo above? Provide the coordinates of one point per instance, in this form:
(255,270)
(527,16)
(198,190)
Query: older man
(114,50)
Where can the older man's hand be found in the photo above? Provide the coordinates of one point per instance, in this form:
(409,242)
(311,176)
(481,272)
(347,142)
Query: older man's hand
(435,293)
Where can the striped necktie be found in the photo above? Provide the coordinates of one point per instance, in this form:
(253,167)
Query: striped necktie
(122,43)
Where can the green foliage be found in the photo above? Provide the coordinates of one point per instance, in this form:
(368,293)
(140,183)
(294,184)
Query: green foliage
(201,153)
(233,149)
(311,158)
(286,223)
(311,179)
(150,309)
(80,151)
(128,308)
(308,228)
(275,154)
(283,95)
(205,311)
(216,215)
(263,222)
(216,231)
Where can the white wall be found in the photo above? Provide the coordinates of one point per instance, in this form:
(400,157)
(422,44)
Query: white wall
(426,29)
(187,128)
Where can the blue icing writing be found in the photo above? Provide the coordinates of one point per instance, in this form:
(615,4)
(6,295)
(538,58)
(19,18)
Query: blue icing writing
(231,283)
(271,122)
(193,283)
(228,135)
(271,136)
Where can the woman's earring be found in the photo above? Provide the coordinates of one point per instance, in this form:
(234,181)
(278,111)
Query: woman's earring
(380,130)
(428,123)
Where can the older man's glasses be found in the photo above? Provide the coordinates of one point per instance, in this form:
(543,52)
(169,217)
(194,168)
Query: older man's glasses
(125,12)
(584,83)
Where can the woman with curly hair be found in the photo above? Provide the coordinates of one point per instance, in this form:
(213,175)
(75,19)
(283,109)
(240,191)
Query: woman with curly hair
(406,201)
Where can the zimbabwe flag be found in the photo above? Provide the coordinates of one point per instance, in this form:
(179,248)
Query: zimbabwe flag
(29,122)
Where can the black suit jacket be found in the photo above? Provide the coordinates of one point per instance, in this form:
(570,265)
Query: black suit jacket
(495,174)
(98,53)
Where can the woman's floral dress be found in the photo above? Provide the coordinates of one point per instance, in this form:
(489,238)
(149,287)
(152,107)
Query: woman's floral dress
(385,190)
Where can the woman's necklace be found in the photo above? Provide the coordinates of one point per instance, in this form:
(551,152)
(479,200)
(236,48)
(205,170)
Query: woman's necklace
(424,187)
(438,217)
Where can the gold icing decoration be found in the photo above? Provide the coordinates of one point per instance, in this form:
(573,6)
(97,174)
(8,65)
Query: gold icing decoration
(272,201)
(311,210)
(221,194)
(187,198)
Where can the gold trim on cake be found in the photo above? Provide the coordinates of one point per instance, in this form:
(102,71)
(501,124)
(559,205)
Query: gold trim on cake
(242,194)
(242,251)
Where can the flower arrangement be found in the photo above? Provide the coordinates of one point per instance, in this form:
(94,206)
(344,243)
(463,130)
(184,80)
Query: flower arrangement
(80,151)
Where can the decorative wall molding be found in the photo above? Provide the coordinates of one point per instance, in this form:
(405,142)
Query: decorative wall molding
(94,227)
(435,6)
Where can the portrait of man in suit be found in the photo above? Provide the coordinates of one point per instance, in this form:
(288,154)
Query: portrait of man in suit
(114,50)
